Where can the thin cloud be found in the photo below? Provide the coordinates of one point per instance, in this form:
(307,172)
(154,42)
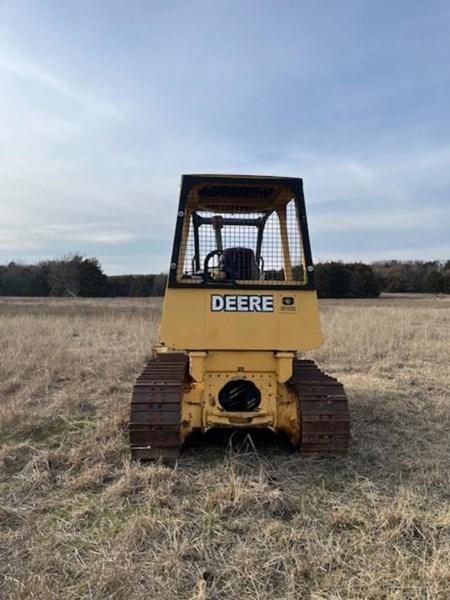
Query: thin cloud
(35,73)
(88,232)
(11,240)
(379,221)
(30,238)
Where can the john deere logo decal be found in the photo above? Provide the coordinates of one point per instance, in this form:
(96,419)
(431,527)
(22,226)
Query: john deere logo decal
(231,303)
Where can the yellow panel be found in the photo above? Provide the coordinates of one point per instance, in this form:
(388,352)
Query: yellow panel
(240,361)
(189,323)
(278,409)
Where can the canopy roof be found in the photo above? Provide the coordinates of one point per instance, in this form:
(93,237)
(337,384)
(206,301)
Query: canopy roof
(248,193)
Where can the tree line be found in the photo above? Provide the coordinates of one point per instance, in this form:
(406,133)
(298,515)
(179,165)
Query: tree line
(79,276)
(417,276)
(359,280)
(75,276)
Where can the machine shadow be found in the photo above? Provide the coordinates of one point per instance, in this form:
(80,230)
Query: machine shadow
(382,450)
(219,443)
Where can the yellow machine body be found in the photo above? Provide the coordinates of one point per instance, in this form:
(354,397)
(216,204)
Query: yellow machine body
(223,346)
(240,304)
(241,345)
(188,323)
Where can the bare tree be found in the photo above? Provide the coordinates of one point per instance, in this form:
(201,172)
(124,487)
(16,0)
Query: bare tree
(64,275)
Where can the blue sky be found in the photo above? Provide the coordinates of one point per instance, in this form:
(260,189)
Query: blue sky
(104,104)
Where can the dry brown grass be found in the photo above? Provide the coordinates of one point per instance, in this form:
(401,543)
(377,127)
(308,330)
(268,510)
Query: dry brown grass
(78,520)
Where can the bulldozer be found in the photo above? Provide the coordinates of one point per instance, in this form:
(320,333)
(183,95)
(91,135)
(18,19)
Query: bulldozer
(240,308)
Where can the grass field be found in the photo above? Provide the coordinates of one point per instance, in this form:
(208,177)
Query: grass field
(78,520)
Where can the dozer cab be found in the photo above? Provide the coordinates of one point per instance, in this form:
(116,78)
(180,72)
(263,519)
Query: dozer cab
(240,305)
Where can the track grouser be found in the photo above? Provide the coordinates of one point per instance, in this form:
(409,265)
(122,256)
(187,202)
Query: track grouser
(240,305)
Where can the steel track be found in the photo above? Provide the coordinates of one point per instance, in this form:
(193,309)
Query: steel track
(323,411)
(155,413)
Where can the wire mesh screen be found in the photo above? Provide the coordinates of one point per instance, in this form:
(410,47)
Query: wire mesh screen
(230,244)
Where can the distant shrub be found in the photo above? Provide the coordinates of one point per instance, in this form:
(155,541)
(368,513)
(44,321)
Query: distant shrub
(346,280)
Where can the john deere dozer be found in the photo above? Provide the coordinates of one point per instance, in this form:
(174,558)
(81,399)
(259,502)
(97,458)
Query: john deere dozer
(240,304)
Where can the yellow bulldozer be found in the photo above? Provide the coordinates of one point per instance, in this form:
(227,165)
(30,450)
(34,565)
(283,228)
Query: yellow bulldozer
(239,307)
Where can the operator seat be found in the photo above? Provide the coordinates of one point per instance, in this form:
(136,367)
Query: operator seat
(240,263)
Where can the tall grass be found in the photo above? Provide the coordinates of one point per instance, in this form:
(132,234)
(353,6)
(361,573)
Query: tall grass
(78,520)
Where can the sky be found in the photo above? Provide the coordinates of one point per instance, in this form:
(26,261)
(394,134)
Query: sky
(105,103)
